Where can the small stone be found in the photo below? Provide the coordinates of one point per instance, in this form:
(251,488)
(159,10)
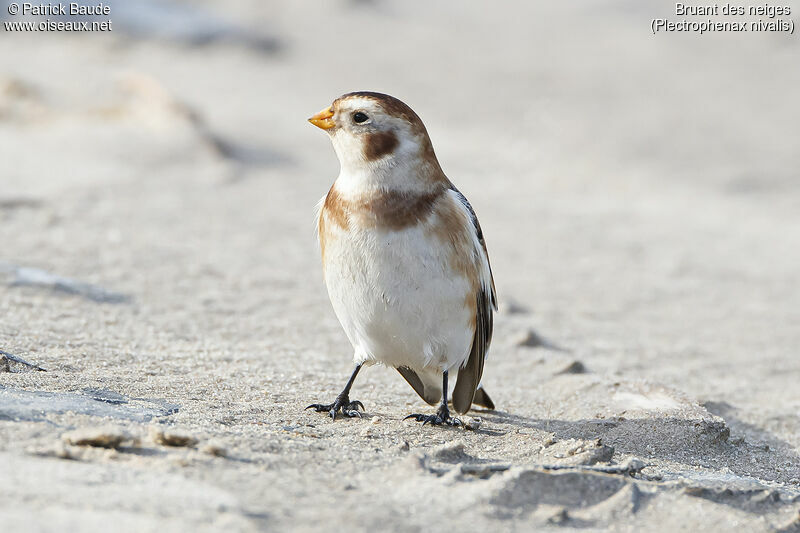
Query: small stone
(375,420)
(513,307)
(560,517)
(529,339)
(472,422)
(630,466)
(8,360)
(405,446)
(171,437)
(102,437)
(575,367)
(579,452)
(214,448)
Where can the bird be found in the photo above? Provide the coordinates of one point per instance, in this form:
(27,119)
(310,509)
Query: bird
(404,258)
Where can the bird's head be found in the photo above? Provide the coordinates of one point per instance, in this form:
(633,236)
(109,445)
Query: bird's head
(376,133)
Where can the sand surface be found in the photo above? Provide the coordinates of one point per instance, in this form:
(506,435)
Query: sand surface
(640,199)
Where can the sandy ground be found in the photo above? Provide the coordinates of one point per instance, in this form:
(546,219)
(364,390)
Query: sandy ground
(640,199)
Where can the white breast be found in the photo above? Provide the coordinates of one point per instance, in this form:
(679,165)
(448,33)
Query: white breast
(396,298)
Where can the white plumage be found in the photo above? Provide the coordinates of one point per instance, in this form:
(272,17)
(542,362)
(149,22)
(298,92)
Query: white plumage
(403,256)
(396,297)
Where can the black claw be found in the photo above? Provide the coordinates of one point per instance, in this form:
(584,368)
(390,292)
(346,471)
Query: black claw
(343,404)
(442,417)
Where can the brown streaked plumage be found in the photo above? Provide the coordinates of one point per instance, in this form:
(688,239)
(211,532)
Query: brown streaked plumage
(392,210)
(389,210)
(396,210)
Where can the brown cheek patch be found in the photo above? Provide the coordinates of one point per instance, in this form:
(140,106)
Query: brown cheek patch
(380,144)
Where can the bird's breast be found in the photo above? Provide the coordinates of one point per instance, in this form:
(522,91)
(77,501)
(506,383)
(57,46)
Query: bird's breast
(400,291)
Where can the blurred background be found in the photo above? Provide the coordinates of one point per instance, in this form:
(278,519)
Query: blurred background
(639,194)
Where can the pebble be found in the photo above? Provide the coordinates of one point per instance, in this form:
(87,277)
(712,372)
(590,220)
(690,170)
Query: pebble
(101,437)
(529,339)
(214,448)
(473,422)
(171,437)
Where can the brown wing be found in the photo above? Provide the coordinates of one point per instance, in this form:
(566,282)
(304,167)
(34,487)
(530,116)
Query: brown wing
(479,234)
(469,376)
(482,398)
(427,389)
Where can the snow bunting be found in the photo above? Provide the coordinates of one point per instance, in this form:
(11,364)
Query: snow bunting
(403,257)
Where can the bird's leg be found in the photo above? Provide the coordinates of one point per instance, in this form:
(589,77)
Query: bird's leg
(442,415)
(342,402)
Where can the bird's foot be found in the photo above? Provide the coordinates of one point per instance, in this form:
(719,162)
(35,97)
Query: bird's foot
(442,417)
(342,404)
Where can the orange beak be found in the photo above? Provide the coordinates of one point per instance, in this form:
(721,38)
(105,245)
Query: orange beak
(323,119)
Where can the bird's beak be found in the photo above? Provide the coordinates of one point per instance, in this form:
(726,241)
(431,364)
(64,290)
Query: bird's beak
(323,119)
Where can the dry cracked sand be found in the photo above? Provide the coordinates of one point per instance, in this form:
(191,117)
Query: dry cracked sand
(639,196)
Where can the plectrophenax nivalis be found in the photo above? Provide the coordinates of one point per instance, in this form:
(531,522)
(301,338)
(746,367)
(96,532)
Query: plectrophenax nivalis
(403,257)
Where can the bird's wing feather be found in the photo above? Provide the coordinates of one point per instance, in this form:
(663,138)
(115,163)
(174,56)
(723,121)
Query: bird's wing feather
(469,376)
(486,267)
(482,398)
(426,384)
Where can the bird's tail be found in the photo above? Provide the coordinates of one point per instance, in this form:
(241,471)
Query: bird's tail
(427,385)
(482,398)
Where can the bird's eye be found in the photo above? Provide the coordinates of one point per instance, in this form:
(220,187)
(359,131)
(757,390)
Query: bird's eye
(359,117)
